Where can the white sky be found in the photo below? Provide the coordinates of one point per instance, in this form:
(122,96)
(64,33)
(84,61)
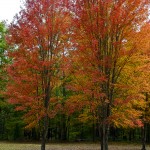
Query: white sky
(8,9)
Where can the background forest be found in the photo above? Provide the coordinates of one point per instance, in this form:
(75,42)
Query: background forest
(76,71)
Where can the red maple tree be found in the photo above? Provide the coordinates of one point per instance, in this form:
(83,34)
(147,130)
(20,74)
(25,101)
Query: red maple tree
(38,38)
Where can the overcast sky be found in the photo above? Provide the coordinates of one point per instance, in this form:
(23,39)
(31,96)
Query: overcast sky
(8,9)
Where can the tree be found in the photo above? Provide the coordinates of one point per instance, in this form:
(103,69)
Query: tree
(139,71)
(3,59)
(37,39)
(2,73)
(8,118)
(101,29)
(4,107)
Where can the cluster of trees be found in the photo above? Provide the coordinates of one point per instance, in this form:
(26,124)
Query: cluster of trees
(76,69)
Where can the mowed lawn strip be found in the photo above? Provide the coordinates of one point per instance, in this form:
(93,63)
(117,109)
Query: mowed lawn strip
(68,146)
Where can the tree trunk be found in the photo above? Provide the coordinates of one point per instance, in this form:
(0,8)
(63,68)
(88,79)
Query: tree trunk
(43,144)
(104,126)
(63,128)
(144,128)
(63,116)
(44,132)
(104,130)
(93,131)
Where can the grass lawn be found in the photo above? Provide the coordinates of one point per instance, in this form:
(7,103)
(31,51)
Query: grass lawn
(68,146)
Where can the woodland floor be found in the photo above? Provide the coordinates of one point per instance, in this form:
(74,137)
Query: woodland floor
(68,146)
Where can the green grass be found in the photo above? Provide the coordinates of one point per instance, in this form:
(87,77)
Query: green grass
(17,146)
(67,146)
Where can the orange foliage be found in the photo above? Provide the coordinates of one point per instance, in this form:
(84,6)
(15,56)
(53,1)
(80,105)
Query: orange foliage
(103,47)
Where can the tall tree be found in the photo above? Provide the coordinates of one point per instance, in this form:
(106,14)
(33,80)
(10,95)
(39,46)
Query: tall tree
(37,37)
(3,58)
(101,29)
(137,73)
(4,112)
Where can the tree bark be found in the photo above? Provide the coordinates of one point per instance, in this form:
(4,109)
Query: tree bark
(104,130)
(144,128)
(44,132)
(104,126)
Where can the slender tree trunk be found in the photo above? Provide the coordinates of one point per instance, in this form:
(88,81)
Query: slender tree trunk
(43,144)
(104,127)
(104,130)
(144,128)
(93,130)
(44,132)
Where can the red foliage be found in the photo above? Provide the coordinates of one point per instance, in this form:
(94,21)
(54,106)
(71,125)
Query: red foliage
(37,38)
